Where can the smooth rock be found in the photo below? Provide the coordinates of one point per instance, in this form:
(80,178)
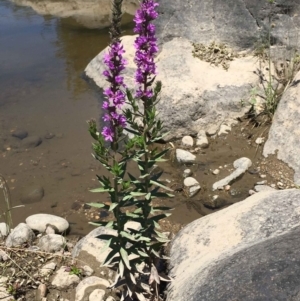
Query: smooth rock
(32,194)
(51,243)
(184,156)
(21,134)
(259,140)
(240,165)
(259,188)
(41,291)
(49,136)
(192,185)
(245,245)
(87,270)
(90,247)
(216,171)
(63,279)
(88,285)
(284,135)
(187,141)
(187,173)
(97,295)
(194,90)
(20,235)
(31,142)
(47,269)
(39,222)
(110,298)
(261,182)
(3,256)
(202,140)
(224,130)
(4,230)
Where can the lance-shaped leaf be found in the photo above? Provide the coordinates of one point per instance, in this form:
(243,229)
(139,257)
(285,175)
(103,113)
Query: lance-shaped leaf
(124,256)
(154,277)
(102,189)
(160,185)
(98,205)
(133,193)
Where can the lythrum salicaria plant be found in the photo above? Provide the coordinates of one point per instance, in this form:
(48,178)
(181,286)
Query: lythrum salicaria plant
(134,253)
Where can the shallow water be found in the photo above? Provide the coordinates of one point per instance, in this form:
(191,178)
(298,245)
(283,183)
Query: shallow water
(41,62)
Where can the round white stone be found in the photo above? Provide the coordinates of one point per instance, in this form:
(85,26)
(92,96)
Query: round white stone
(39,222)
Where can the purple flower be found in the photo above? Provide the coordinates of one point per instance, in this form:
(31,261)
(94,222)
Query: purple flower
(115,95)
(146,48)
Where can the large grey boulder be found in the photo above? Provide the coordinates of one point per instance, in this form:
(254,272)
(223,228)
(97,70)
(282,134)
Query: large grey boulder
(195,95)
(239,23)
(20,235)
(248,251)
(284,134)
(89,13)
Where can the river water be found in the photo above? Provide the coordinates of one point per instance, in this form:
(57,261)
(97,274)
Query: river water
(42,92)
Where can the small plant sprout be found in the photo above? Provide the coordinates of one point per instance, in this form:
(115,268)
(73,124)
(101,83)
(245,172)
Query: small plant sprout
(134,251)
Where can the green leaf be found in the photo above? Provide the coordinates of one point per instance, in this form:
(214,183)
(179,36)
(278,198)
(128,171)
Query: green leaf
(137,193)
(113,206)
(124,256)
(143,254)
(127,235)
(121,268)
(97,205)
(102,189)
(160,185)
(148,196)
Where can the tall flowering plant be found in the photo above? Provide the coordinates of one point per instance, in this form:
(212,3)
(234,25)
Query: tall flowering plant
(134,253)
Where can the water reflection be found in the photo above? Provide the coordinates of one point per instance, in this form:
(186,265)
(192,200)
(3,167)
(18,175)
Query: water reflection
(89,13)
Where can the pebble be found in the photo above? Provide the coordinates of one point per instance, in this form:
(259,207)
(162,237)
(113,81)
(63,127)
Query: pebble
(251,192)
(192,185)
(51,243)
(280,185)
(47,269)
(87,270)
(214,203)
(187,173)
(263,176)
(259,140)
(202,140)
(31,142)
(4,229)
(63,279)
(184,156)
(21,134)
(187,141)
(227,187)
(261,182)
(224,130)
(32,194)
(41,291)
(216,171)
(20,235)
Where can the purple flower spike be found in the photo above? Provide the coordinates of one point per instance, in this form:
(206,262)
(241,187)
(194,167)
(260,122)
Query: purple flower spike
(146,47)
(115,95)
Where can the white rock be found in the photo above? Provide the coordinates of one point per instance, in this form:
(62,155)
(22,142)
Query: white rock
(261,182)
(20,235)
(216,171)
(110,298)
(187,173)
(259,140)
(224,130)
(3,256)
(184,156)
(87,285)
(251,192)
(47,269)
(192,185)
(51,243)
(97,295)
(41,291)
(243,163)
(240,165)
(87,270)
(187,141)
(4,230)
(39,222)
(202,140)
(62,279)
